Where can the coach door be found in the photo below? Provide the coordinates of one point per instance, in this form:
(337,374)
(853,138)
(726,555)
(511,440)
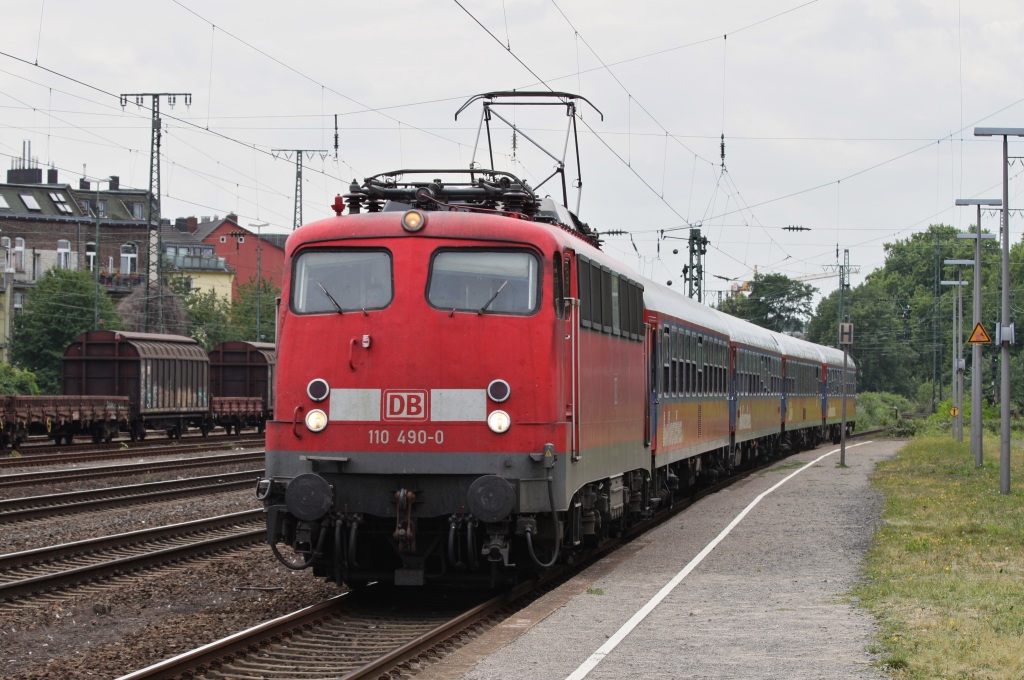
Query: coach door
(651,416)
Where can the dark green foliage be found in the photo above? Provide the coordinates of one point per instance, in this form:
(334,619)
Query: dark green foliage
(209,317)
(14,380)
(243,312)
(775,301)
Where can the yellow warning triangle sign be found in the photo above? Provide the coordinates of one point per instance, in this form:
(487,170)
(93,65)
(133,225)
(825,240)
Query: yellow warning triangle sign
(979,336)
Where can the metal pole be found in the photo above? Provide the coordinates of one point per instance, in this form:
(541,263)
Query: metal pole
(959,356)
(259,278)
(952,350)
(976,407)
(1004,388)
(96,264)
(842,432)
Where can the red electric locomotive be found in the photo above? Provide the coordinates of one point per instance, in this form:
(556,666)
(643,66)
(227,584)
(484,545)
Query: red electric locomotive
(469,388)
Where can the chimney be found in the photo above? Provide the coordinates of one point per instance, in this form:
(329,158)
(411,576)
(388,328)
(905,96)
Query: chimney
(115,182)
(181,224)
(51,176)
(84,185)
(193,225)
(232,216)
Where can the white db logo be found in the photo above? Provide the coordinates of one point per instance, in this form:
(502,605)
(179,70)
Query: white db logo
(405,405)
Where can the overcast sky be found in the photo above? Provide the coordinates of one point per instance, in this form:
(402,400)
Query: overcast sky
(853,118)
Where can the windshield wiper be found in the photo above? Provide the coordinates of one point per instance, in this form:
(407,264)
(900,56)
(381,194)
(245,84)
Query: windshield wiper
(488,303)
(331,297)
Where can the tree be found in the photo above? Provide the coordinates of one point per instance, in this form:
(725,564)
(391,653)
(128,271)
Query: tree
(243,312)
(209,318)
(775,302)
(166,314)
(58,309)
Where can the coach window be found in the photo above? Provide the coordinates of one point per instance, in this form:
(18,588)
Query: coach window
(339,281)
(484,281)
(680,362)
(673,371)
(701,377)
(684,362)
(666,353)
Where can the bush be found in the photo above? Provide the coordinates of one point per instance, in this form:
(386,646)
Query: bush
(15,380)
(880,409)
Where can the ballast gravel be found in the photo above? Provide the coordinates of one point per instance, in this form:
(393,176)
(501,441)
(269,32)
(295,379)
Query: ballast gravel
(112,628)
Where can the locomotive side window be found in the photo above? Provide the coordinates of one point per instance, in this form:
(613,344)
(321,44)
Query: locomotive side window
(613,297)
(559,295)
(585,294)
(495,282)
(596,302)
(339,281)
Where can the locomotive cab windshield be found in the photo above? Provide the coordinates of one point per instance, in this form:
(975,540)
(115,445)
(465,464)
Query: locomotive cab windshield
(484,281)
(338,281)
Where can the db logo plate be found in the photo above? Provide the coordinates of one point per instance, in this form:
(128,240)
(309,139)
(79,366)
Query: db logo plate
(405,405)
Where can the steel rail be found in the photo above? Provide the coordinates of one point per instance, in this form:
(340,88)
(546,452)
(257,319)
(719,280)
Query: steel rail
(125,565)
(20,509)
(29,478)
(63,454)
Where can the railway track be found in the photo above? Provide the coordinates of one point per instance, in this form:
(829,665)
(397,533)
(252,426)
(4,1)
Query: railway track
(15,480)
(62,455)
(358,634)
(55,568)
(52,505)
(337,638)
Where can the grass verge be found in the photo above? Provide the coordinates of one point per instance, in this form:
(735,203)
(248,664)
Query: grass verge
(945,573)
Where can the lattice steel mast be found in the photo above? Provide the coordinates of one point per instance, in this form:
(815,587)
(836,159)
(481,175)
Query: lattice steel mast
(154,269)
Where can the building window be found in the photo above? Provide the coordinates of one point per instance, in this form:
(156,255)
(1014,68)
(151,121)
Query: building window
(101,209)
(63,254)
(61,201)
(129,258)
(5,244)
(136,208)
(223,239)
(19,301)
(19,254)
(90,255)
(30,202)
(3,203)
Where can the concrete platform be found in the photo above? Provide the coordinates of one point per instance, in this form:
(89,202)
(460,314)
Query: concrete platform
(762,599)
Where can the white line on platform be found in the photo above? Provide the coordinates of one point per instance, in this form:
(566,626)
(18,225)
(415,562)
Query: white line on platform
(627,628)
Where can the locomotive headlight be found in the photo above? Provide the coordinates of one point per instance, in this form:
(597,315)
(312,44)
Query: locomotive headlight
(318,389)
(498,421)
(316,420)
(498,390)
(413,220)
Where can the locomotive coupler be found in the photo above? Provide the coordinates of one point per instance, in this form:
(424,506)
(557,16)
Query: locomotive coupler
(497,548)
(405,530)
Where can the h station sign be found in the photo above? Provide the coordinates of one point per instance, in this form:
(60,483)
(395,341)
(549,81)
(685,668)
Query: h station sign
(846,334)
